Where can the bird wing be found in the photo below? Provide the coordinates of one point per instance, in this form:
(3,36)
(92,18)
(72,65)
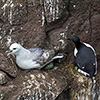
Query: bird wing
(85,59)
(59,55)
(36,53)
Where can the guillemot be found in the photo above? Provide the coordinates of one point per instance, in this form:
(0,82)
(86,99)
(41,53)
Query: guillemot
(84,57)
(33,57)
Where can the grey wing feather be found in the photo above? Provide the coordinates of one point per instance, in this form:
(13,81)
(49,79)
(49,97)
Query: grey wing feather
(59,55)
(36,53)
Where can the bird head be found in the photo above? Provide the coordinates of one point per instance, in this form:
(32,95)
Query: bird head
(75,39)
(14,49)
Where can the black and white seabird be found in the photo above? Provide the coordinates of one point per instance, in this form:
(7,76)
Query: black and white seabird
(85,57)
(33,57)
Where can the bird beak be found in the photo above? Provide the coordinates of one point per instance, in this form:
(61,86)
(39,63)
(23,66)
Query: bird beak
(8,51)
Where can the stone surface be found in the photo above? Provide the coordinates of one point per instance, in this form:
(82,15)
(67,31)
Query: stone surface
(3,78)
(8,66)
(47,24)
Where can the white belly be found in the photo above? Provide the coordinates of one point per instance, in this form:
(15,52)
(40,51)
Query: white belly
(75,52)
(27,64)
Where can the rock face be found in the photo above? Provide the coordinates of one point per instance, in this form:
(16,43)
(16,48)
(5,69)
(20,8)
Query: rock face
(3,78)
(8,66)
(47,24)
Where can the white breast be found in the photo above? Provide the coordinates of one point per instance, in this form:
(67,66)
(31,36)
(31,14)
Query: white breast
(26,63)
(75,52)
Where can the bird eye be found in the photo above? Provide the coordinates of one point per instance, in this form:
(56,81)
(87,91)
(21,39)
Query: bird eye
(14,48)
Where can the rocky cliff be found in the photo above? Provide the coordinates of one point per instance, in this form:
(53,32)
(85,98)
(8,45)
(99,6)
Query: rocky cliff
(47,24)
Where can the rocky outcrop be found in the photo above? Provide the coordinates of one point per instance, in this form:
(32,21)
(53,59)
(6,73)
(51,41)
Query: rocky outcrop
(47,24)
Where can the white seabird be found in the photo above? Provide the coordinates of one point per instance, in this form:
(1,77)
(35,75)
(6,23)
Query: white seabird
(33,57)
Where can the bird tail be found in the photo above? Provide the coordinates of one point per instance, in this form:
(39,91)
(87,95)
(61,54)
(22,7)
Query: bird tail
(59,55)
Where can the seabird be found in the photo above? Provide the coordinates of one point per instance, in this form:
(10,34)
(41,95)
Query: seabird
(85,57)
(33,57)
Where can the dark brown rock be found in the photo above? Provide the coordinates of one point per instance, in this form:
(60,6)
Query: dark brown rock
(8,66)
(3,78)
(22,21)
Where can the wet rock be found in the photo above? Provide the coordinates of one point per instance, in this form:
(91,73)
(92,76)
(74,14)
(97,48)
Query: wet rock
(8,66)
(3,78)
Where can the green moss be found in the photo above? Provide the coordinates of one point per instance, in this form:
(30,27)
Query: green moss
(50,66)
(76,67)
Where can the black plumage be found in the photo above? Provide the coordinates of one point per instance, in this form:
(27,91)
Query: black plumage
(85,57)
